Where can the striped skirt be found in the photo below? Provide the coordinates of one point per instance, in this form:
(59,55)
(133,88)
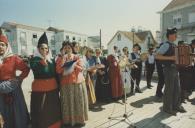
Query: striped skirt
(74,104)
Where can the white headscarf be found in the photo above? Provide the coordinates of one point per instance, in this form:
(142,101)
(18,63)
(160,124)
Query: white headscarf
(7,53)
(38,54)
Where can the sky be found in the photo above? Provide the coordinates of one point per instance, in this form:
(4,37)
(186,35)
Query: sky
(85,16)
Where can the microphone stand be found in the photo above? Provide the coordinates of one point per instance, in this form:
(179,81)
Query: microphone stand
(126,114)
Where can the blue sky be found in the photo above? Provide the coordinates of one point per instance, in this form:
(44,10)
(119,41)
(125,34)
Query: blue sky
(85,16)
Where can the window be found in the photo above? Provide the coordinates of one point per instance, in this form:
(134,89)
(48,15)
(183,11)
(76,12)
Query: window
(23,38)
(177,19)
(34,35)
(192,17)
(119,37)
(73,38)
(67,37)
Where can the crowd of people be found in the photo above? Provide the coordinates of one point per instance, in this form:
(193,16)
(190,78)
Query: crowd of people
(66,86)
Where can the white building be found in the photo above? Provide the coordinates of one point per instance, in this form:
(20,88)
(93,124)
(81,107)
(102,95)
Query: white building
(147,40)
(64,35)
(78,37)
(23,38)
(179,14)
(126,39)
(158,37)
(93,42)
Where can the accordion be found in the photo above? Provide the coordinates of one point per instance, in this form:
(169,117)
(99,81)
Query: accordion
(183,55)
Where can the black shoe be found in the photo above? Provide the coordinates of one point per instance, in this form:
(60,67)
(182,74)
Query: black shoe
(132,92)
(138,90)
(183,100)
(79,125)
(180,109)
(149,87)
(124,100)
(159,94)
(174,113)
(66,125)
(115,99)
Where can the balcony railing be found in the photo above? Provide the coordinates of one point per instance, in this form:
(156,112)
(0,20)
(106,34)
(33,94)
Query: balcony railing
(188,25)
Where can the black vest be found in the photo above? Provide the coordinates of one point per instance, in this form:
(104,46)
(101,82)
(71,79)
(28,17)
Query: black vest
(170,52)
(139,64)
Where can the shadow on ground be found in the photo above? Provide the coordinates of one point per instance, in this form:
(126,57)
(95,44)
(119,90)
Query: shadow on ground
(148,100)
(154,122)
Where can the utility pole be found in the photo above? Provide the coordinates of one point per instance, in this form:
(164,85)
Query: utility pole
(100,39)
(1,31)
(133,30)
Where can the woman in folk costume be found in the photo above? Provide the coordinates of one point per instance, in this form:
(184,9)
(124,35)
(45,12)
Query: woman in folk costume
(91,76)
(114,75)
(13,109)
(103,88)
(125,70)
(45,102)
(73,92)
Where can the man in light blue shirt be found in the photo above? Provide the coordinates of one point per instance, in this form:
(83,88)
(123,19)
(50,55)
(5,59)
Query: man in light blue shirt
(150,66)
(166,53)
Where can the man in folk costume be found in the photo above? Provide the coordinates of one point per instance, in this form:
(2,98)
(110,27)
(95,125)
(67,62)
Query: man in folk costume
(150,66)
(136,72)
(185,78)
(45,102)
(166,53)
(13,109)
(161,79)
(192,86)
(114,75)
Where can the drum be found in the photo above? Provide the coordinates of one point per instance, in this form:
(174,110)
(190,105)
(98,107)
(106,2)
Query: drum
(144,56)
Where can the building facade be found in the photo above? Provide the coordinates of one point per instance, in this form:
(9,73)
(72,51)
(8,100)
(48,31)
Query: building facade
(179,14)
(158,37)
(126,39)
(23,38)
(93,42)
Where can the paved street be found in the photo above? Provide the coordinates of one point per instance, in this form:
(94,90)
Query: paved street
(145,109)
